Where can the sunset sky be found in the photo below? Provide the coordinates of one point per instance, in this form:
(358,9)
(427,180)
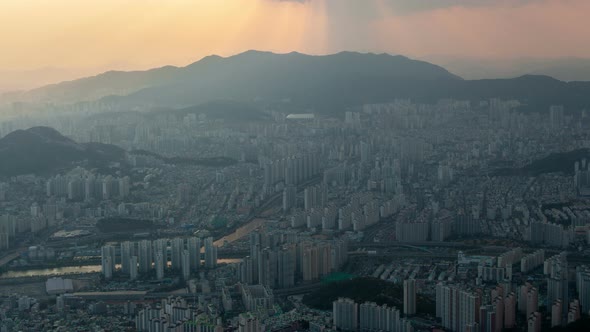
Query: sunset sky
(96,35)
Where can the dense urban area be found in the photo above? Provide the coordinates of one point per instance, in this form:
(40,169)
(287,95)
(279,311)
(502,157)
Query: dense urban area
(454,215)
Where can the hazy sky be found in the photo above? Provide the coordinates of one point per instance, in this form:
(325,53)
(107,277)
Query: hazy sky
(95,35)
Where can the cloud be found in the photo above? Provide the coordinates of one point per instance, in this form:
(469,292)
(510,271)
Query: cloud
(300,1)
(411,6)
(550,28)
(403,7)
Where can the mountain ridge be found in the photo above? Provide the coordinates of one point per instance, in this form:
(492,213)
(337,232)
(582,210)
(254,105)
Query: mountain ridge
(321,83)
(121,83)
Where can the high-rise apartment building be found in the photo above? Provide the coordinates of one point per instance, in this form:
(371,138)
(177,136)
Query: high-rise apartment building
(410,297)
(108,261)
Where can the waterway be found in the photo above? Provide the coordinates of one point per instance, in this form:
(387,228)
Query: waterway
(236,235)
(65,270)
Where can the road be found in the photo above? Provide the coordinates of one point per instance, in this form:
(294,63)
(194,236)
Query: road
(10,257)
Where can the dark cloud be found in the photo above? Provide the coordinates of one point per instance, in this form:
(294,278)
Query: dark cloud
(408,6)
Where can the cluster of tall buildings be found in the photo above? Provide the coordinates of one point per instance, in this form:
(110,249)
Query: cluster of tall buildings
(466,224)
(442,226)
(256,297)
(348,315)
(279,260)
(500,269)
(174,314)
(291,171)
(385,176)
(429,224)
(315,197)
(143,257)
(87,186)
(532,261)
(556,269)
(361,212)
(357,212)
(8,230)
(528,299)
(557,312)
(458,307)
(463,308)
(412,226)
(550,234)
(11,226)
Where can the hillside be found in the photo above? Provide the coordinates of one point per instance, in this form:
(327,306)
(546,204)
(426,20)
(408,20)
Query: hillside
(553,163)
(119,83)
(42,149)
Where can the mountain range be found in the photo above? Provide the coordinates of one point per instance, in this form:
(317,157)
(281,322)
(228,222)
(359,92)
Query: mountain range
(564,69)
(43,149)
(326,84)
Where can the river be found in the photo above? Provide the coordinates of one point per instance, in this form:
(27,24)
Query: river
(64,270)
(236,235)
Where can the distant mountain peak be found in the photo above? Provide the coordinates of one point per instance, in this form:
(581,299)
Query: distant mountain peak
(535,77)
(50,134)
(39,134)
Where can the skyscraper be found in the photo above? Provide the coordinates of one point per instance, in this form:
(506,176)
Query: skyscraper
(556,313)
(210,253)
(194,248)
(159,264)
(145,256)
(345,314)
(267,268)
(289,198)
(108,261)
(510,311)
(583,286)
(132,267)
(373,317)
(186,264)
(410,297)
(126,253)
(177,246)
(458,308)
(286,267)
(532,301)
(534,322)
(557,282)
(161,246)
